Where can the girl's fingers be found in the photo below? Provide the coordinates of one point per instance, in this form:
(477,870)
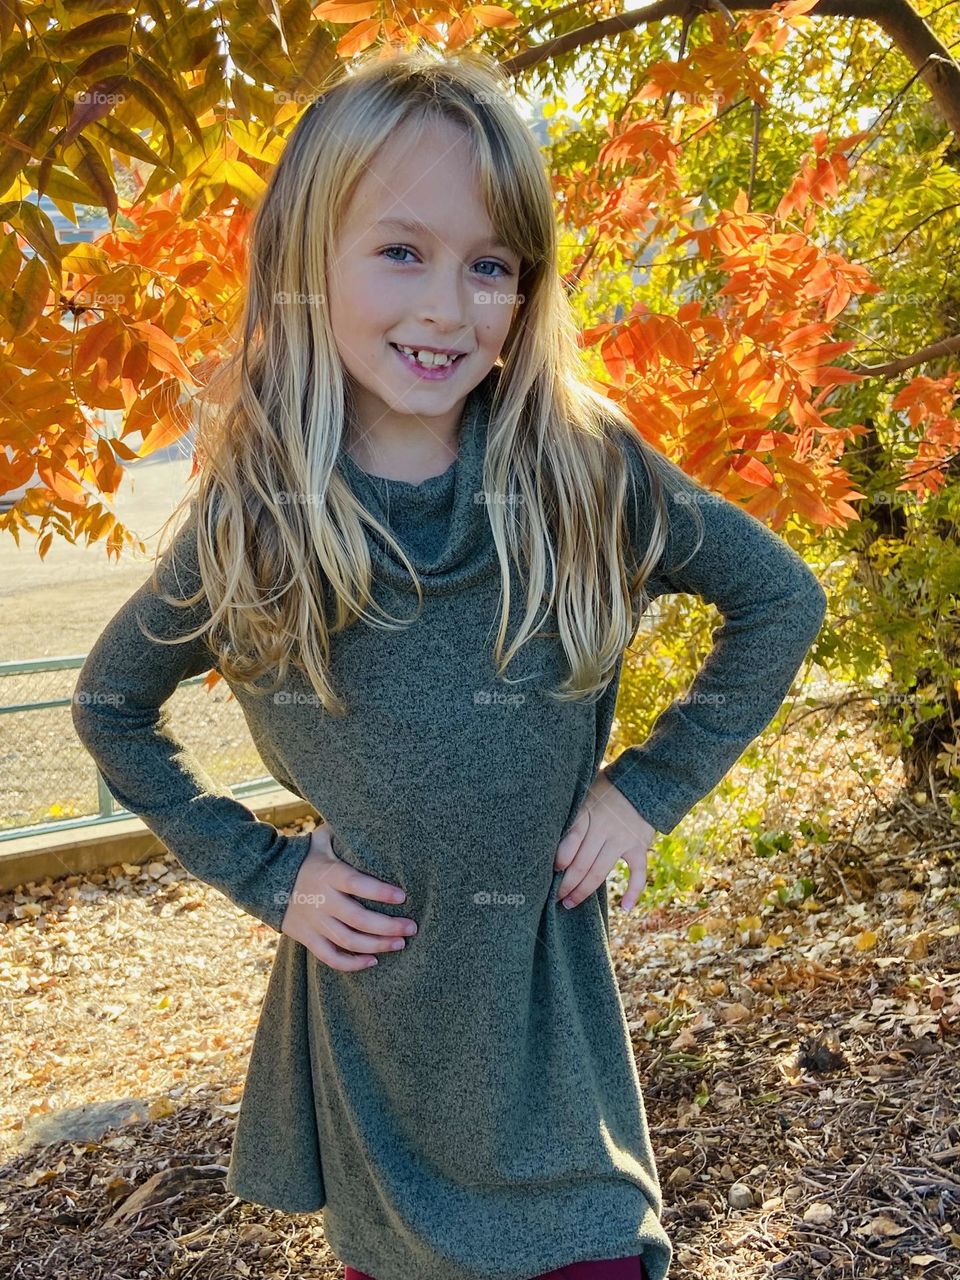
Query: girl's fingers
(637,883)
(582,886)
(568,846)
(328,954)
(365,919)
(361,885)
(574,876)
(356,940)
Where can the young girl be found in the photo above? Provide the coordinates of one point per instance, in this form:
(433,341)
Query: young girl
(374,534)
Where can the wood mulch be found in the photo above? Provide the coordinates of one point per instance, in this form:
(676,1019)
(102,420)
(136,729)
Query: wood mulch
(795,1017)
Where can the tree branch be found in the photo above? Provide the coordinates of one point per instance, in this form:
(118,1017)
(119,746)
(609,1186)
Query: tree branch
(909,232)
(908,31)
(945,347)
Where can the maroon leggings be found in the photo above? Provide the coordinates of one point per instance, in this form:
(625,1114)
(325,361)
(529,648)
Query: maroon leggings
(615,1269)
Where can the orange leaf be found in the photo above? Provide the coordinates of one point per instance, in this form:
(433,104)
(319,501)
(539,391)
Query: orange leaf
(64,486)
(167,431)
(164,351)
(106,469)
(754,471)
(94,338)
(492,15)
(360,38)
(333,11)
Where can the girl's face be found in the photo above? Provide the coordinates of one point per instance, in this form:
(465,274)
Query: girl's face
(447,284)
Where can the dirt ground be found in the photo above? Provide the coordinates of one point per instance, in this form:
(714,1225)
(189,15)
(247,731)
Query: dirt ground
(795,1017)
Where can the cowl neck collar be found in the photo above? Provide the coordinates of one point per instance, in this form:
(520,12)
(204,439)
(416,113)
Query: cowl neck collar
(455,500)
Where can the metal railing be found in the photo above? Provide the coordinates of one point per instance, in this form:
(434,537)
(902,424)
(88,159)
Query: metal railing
(46,752)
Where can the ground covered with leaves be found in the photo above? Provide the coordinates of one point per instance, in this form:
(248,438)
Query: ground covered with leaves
(795,1016)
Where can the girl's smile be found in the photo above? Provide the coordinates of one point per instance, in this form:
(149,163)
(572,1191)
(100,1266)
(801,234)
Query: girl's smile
(437,373)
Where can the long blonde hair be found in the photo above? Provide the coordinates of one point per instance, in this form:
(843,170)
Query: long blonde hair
(283,408)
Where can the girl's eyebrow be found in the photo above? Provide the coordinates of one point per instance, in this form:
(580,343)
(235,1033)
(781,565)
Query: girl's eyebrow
(416,227)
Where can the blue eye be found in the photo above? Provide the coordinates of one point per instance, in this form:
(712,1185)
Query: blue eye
(406,249)
(402,247)
(490,261)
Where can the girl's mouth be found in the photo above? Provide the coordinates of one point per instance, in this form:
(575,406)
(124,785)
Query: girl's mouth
(439,373)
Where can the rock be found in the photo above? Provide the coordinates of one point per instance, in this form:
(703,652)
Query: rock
(740,1196)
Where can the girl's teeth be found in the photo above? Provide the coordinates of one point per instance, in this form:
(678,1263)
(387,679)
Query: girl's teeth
(427,358)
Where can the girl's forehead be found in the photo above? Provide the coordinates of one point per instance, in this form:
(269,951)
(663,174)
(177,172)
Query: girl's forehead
(427,179)
(419,191)
(435,160)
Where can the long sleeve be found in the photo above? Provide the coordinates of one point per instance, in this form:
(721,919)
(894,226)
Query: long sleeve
(772,607)
(118,715)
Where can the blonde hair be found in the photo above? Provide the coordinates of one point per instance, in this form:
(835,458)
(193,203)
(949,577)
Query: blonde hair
(265,563)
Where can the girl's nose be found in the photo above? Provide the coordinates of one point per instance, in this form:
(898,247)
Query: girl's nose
(445,305)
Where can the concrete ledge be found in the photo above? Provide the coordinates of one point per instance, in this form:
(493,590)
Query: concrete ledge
(104,844)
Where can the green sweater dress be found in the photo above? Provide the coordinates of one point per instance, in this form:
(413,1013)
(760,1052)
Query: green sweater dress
(469,1108)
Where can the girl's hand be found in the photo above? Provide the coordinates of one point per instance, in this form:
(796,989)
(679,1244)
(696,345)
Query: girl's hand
(607,828)
(324,916)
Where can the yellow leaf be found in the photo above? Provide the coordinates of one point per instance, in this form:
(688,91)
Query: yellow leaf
(85,257)
(29,297)
(917,946)
(258,145)
(866,941)
(161,1107)
(244,181)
